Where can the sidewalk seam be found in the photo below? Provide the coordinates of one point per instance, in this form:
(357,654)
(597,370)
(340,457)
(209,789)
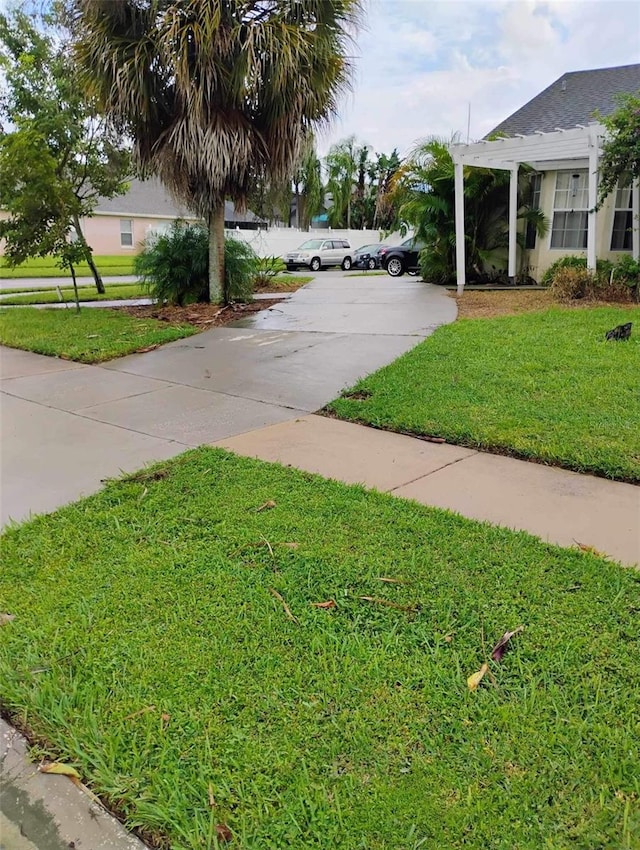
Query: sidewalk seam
(427,474)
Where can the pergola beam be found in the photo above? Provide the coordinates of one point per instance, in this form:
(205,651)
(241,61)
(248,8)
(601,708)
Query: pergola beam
(459,207)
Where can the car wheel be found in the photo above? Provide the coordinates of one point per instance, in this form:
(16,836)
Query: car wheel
(395,267)
(371,264)
(346,264)
(315,264)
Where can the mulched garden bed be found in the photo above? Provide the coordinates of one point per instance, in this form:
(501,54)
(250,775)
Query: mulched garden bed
(202,316)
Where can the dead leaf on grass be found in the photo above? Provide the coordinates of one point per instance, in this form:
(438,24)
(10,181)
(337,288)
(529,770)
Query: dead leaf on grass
(388,603)
(474,680)
(501,647)
(266,507)
(583,547)
(146,475)
(59,768)
(291,545)
(287,610)
(223,833)
(330,603)
(148,348)
(212,799)
(6,618)
(140,711)
(392,580)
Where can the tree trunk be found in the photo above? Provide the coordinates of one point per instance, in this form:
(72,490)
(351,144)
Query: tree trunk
(349,214)
(88,256)
(217,289)
(75,287)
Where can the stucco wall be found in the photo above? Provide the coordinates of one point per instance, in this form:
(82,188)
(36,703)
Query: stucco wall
(543,255)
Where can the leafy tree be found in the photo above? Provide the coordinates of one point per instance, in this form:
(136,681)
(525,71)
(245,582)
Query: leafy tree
(342,167)
(426,197)
(216,95)
(309,191)
(56,156)
(620,159)
(387,173)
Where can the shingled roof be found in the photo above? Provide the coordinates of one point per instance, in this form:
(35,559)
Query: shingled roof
(573,99)
(150,198)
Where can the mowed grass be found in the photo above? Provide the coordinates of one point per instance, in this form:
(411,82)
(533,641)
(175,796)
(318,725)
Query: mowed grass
(46,267)
(154,648)
(91,336)
(543,386)
(85,293)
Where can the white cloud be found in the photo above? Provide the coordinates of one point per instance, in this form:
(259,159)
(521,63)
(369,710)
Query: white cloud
(422,63)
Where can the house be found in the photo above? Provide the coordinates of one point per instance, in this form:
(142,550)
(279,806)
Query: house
(119,225)
(558,135)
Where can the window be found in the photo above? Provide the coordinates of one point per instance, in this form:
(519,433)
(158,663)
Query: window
(570,210)
(126,233)
(530,235)
(622,220)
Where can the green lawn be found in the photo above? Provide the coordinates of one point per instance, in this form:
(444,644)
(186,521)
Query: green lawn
(46,267)
(91,336)
(85,293)
(286,282)
(152,649)
(543,386)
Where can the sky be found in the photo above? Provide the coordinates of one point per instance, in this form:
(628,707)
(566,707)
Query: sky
(420,64)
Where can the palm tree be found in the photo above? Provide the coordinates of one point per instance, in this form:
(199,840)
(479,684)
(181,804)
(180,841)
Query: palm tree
(216,94)
(342,167)
(426,195)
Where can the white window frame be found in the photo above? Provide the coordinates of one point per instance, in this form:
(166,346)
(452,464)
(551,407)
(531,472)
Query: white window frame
(575,200)
(124,232)
(618,207)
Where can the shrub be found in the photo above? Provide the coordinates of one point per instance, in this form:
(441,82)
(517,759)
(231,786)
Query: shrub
(267,269)
(572,262)
(174,265)
(627,272)
(240,269)
(571,282)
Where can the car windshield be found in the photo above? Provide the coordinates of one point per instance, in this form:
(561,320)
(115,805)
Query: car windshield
(311,245)
(366,248)
(413,244)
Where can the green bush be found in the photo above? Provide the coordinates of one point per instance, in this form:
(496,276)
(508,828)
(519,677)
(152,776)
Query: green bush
(267,269)
(174,265)
(240,269)
(572,262)
(627,272)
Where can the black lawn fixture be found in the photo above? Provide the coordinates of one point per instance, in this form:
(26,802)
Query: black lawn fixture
(621,332)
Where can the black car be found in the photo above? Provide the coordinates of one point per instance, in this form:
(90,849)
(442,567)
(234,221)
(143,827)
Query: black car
(402,258)
(368,257)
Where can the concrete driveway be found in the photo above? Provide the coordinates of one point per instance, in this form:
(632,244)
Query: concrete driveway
(67,426)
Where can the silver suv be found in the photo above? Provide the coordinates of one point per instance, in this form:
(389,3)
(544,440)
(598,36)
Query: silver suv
(318,254)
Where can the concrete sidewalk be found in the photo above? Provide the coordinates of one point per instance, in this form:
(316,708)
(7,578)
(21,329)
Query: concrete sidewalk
(559,506)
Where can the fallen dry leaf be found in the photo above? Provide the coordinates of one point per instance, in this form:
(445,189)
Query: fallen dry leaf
(391,580)
(448,638)
(330,603)
(60,769)
(148,348)
(501,647)
(287,610)
(223,833)
(292,545)
(474,680)
(212,799)
(140,711)
(388,603)
(267,506)
(165,717)
(6,618)
(583,547)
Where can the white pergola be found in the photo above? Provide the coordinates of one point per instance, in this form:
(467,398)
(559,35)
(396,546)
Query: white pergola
(561,149)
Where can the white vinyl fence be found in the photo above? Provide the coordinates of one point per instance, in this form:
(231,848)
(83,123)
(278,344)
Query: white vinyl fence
(279,240)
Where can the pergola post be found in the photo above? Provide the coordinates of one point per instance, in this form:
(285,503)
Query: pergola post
(513,223)
(593,200)
(459,209)
(635,219)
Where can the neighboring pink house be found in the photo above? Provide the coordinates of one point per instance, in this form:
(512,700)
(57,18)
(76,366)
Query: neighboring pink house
(119,225)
